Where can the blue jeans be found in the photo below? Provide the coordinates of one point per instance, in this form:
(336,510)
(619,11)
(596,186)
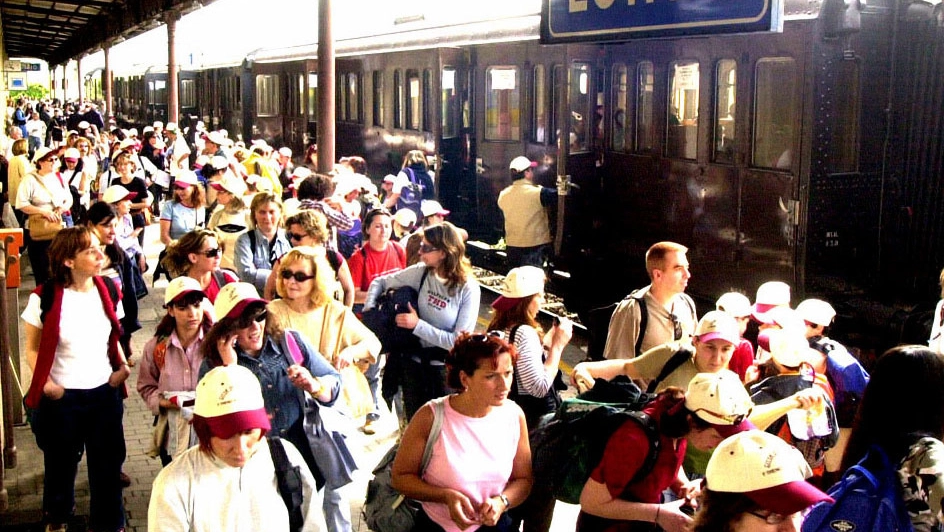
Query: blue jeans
(89,421)
(337,510)
(421,382)
(373,380)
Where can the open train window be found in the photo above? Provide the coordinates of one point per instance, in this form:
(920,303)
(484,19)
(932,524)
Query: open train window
(312,96)
(620,102)
(502,103)
(188,90)
(397,99)
(450,104)
(682,119)
(414,104)
(582,113)
(378,98)
(267,95)
(539,112)
(775,106)
(645,127)
(725,107)
(353,97)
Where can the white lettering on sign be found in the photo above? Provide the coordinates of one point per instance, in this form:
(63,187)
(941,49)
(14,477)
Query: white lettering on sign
(576,5)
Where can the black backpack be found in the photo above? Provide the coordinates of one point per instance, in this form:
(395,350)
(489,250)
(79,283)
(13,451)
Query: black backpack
(598,327)
(381,318)
(289,481)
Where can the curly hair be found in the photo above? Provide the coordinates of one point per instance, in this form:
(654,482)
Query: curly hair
(312,222)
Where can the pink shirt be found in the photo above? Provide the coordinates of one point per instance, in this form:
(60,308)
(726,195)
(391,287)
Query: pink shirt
(180,373)
(474,456)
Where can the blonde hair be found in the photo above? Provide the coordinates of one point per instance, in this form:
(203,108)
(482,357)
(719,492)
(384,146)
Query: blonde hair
(320,268)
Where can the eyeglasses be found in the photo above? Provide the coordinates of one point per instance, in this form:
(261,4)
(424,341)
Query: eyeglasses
(246,320)
(427,248)
(293,236)
(770,518)
(300,277)
(734,419)
(211,253)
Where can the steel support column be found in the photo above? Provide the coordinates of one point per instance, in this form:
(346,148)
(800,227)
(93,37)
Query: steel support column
(109,109)
(171,18)
(326,123)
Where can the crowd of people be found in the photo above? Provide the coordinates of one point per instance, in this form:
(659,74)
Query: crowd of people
(271,268)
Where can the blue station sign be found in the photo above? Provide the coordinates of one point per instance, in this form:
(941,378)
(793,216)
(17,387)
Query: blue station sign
(613,20)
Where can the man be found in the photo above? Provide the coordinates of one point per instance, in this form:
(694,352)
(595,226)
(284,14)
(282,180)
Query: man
(285,168)
(669,313)
(178,153)
(527,233)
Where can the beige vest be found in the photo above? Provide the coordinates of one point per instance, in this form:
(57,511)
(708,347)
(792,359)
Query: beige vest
(525,218)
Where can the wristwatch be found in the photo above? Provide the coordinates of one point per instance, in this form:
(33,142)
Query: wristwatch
(504,500)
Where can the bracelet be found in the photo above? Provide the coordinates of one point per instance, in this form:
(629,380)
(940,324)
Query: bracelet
(658,510)
(504,500)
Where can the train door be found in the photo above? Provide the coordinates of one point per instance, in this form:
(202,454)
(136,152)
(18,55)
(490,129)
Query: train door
(456,175)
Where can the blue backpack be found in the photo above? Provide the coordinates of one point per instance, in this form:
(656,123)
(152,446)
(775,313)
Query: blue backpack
(868,499)
(846,375)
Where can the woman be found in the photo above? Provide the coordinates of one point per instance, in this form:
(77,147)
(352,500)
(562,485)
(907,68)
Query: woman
(171,363)
(539,354)
(229,481)
(126,178)
(259,248)
(43,193)
(78,368)
(617,498)
(910,437)
(346,193)
(377,256)
(197,255)
(231,217)
(187,211)
(413,184)
(19,167)
(448,304)
(756,482)
(480,466)
(306,306)
(310,228)
(126,231)
(75,174)
(247,336)
(311,157)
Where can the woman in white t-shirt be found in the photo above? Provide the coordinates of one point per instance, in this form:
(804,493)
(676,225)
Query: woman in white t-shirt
(79,370)
(43,192)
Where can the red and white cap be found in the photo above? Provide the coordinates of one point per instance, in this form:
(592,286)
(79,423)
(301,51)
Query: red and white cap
(234,298)
(181,286)
(521,282)
(116,193)
(432,208)
(229,399)
(717,325)
(521,163)
(770,295)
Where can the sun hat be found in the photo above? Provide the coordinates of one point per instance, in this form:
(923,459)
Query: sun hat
(215,137)
(116,193)
(181,286)
(229,399)
(186,179)
(766,469)
(720,399)
(234,298)
(405,217)
(735,304)
(770,295)
(816,311)
(432,208)
(521,163)
(230,183)
(788,348)
(71,153)
(521,282)
(718,325)
(218,162)
(41,154)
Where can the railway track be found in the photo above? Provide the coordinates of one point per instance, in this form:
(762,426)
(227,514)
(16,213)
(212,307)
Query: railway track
(553,306)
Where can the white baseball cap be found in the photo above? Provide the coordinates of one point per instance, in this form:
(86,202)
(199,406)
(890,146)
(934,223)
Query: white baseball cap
(116,193)
(766,469)
(720,399)
(186,179)
(181,286)
(787,347)
(816,311)
(405,217)
(431,208)
(234,298)
(229,399)
(770,295)
(231,183)
(521,163)
(717,325)
(735,304)
(521,282)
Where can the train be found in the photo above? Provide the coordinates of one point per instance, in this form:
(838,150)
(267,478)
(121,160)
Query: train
(811,155)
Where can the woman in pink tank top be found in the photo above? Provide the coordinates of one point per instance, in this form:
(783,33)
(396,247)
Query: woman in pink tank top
(480,465)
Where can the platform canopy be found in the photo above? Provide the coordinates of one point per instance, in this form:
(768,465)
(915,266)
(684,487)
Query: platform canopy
(59,31)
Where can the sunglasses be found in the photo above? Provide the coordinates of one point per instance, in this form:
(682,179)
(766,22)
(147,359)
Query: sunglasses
(293,236)
(771,518)
(210,253)
(732,419)
(676,327)
(246,320)
(427,248)
(299,277)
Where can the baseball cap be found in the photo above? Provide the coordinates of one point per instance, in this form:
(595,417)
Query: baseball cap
(405,217)
(770,295)
(41,154)
(181,286)
(230,183)
(83,125)
(788,348)
(201,161)
(116,193)
(171,127)
(816,311)
(215,137)
(218,162)
(147,129)
(71,153)
(720,399)
(766,469)
(785,318)
(234,298)
(389,178)
(432,207)
(299,174)
(716,325)
(285,151)
(158,125)
(734,304)
(229,398)
(521,163)
(186,179)
(521,282)
(133,132)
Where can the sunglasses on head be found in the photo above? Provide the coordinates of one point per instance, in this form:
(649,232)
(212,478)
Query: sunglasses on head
(210,253)
(300,277)
(246,320)
(427,248)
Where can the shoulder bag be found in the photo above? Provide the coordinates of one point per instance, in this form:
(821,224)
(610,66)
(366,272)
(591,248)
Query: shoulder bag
(40,228)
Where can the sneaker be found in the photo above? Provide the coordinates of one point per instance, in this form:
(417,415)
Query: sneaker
(125,479)
(368,427)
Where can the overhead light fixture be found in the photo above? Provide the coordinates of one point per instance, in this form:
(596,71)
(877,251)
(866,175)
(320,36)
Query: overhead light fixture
(407,19)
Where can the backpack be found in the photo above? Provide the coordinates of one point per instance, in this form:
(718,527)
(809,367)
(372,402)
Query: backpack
(846,375)
(535,407)
(567,445)
(867,500)
(411,196)
(289,481)
(598,325)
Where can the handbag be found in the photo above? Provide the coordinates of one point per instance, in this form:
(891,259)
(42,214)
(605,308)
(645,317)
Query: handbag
(385,509)
(324,429)
(355,390)
(41,229)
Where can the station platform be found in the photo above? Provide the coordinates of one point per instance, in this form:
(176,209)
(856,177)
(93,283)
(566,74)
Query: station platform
(24,483)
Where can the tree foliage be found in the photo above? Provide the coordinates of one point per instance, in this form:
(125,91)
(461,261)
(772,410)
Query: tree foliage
(35,91)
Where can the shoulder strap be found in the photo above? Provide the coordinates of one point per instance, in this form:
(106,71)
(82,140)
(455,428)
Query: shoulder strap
(112,292)
(643,322)
(289,481)
(364,268)
(410,175)
(513,391)
(221,279)
(160,352)
(652,434)
(46,294)
(672,364)
(252,241)
(439,413)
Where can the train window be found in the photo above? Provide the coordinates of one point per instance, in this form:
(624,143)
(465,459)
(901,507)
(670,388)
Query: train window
(378,98)
(188,93)
(539,112)
(450,104)
(682,119)
(301,95)
(645,127)
(581,113)
(776,106)
(558,80)
(725,100)
(845,120)
(397,99)
(340,98)
(414,104)
(312,96)
(353,97)
(502,103)
(267,95)
(620,97)
(427,97)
